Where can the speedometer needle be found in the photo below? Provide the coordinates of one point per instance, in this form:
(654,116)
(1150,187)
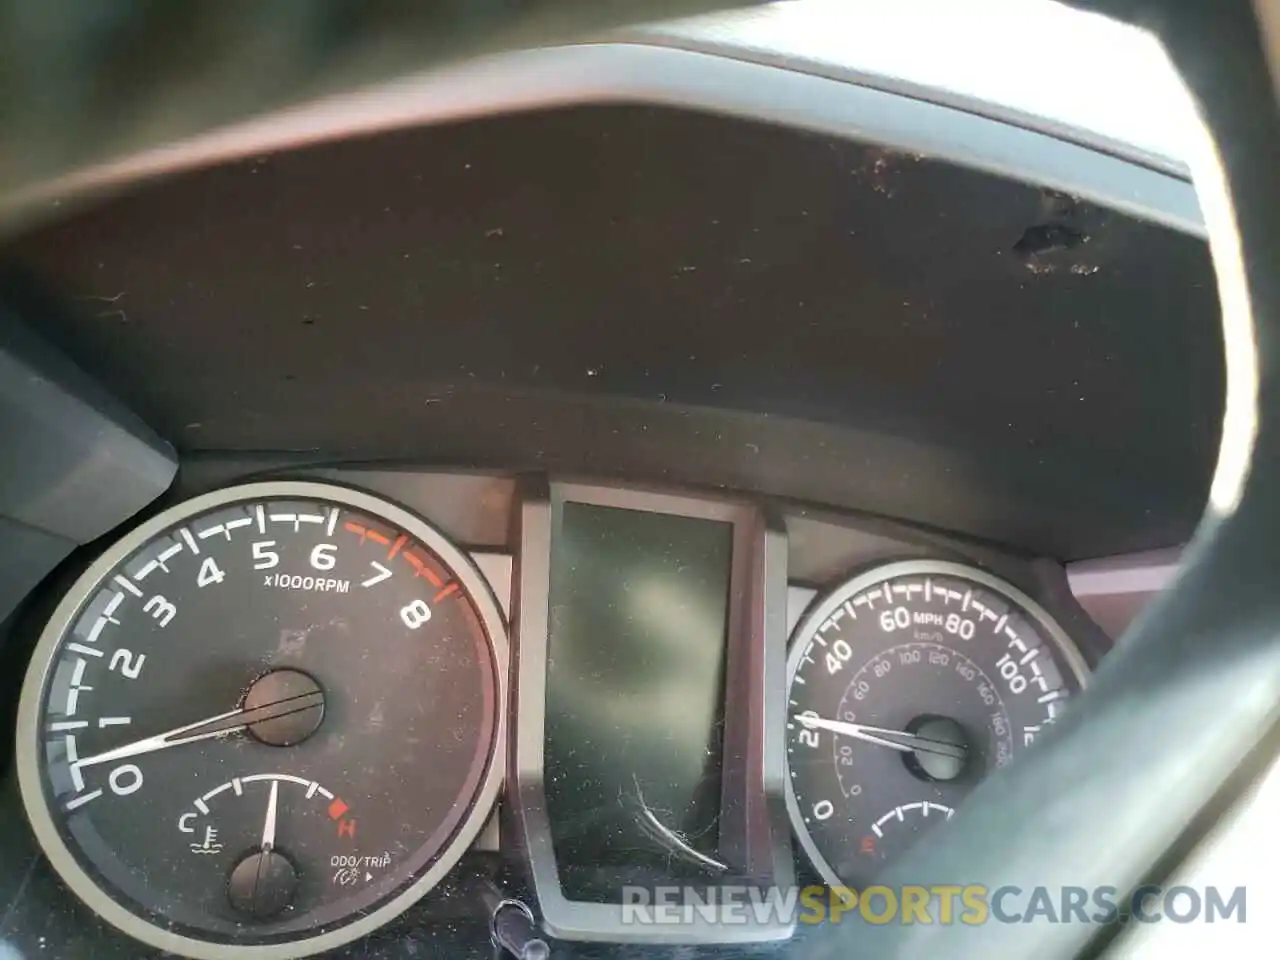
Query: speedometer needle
(269,827)
(209,728)
(894,739)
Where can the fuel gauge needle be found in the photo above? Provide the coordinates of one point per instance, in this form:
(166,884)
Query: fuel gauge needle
(269,827)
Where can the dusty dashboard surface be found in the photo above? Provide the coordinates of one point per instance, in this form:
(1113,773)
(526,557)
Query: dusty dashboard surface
(691,492)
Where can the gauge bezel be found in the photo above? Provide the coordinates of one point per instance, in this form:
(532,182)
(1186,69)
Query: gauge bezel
(27,752)
(827,603)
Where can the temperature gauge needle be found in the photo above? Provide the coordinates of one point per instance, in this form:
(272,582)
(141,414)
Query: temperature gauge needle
(269,827)
(894,739)
(210,727)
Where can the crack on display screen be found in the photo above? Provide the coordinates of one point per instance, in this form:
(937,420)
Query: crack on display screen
(635,697)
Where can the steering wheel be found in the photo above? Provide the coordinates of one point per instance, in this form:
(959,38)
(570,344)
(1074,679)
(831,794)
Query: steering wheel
(1182,716)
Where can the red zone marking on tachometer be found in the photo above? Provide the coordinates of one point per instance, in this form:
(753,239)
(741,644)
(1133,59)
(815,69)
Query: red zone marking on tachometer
(422,570)
(420,567)
(366,534)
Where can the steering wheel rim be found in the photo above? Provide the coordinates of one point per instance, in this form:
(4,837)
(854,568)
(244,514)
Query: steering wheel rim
(1187,700)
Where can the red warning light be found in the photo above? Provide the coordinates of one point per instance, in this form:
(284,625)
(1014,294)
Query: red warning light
(869,845)
(337,809)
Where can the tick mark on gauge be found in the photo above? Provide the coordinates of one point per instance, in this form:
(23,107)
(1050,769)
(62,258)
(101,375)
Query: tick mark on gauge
(422,569)
(81,800)
(446,592)
(364,533)
(237,524)
(127,584)
(112,606)
(297,519)
(396,547)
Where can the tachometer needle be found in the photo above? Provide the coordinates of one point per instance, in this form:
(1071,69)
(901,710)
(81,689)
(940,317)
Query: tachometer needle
(208,728)
(894,739)
(269,827)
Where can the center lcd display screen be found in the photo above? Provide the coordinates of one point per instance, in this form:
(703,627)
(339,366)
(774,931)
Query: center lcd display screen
(635,696)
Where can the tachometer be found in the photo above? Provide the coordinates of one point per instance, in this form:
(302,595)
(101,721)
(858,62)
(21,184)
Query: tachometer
(906,685)
(267,718)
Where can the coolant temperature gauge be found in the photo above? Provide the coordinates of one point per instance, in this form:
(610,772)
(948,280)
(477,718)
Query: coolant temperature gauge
(263,831)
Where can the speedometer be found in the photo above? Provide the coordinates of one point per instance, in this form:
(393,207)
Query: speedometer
(265,722)
(906,686)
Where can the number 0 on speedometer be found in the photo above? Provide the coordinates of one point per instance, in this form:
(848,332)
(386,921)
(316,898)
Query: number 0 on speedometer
(906,686)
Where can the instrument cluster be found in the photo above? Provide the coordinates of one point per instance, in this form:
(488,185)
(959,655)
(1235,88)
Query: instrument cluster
(282,711)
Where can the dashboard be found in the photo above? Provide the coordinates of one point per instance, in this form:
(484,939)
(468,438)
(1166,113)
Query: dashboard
(568,526)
